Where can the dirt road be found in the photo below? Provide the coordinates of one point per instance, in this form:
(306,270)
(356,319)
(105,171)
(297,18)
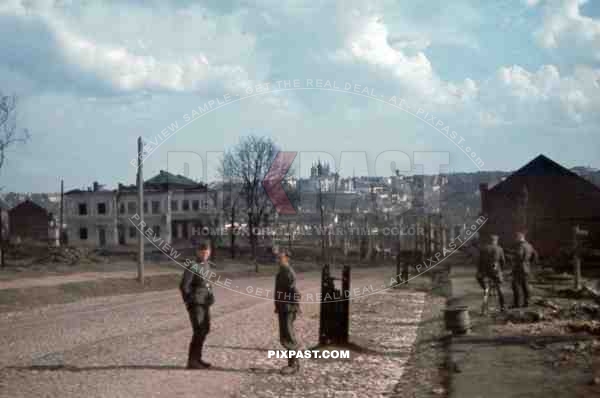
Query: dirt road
(136,345)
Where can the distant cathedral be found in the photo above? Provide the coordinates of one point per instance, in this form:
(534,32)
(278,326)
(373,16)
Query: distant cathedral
(320,170)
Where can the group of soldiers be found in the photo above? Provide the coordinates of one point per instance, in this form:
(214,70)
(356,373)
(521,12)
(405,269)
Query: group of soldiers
(198,296)
(492,264)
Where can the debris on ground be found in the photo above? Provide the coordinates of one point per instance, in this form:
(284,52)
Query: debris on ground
(70,255)
(570,293)
(591,327)
(524,316)
(547,303)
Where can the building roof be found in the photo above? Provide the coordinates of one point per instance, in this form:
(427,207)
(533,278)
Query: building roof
(4,205)
(28,204)
(161,181)
(166,178)
(541,166)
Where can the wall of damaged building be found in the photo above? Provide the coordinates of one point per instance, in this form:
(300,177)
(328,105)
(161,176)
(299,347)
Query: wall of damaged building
(90,218)
(546,207)
(28,221)
(174,216)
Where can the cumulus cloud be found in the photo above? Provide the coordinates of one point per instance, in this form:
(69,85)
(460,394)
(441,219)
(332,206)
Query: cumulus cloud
(124,68)
(64,54)
(564,26)
(543,97)
(369,42)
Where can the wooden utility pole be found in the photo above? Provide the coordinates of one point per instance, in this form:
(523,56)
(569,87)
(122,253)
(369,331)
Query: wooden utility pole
(140,187)
(2,238)
(577,255)
(62,209)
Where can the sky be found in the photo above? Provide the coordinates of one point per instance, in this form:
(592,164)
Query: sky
(476,85)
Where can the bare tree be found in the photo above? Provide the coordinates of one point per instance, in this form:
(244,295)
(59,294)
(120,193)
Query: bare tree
(10,133)
(230,208)
(214,217)
(249,161)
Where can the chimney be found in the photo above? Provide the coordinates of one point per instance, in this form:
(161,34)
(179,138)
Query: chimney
(96,185)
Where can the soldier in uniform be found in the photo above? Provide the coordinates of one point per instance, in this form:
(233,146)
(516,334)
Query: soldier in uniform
(287,307)
(525,256)
(489,271)
(198,297)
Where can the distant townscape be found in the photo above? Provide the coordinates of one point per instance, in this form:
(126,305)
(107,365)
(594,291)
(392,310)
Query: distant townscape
(351,211)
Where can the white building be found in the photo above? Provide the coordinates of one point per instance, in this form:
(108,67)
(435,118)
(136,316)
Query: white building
(175,208)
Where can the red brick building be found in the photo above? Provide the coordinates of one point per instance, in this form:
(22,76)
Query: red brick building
(544,199)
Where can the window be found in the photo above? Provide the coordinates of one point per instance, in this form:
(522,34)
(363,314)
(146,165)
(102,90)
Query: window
(122,208)
(174,205)
(156,230)
(132,232)
(186,204)
(131,207)
(82,209)
(101,208)
(195,205)
(145,207)
(155,207)
(205,204)
(83,233)
(184,231)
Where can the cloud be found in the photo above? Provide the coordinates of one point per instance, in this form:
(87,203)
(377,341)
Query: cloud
(563,26)
(543,97)
(45,44)
(369,42)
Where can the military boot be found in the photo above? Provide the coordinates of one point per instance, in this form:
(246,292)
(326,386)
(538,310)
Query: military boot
(292,367)
(195,357)
(197,364)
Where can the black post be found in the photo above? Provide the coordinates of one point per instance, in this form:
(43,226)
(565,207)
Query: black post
(325,318)
(345,305)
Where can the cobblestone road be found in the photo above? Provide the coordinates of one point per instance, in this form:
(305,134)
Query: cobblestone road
(136,345)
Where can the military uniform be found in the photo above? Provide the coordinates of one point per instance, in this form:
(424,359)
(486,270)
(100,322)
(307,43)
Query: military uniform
(198,297)
(491,263)
(286,306)
(526,255)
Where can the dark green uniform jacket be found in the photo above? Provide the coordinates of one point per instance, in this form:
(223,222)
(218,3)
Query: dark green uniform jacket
(196,290)
(491,261)
(286,294)
(526,255)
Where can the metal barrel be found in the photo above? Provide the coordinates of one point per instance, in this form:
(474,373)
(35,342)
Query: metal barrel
(457,319)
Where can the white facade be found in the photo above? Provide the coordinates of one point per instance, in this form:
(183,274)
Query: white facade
(104,218)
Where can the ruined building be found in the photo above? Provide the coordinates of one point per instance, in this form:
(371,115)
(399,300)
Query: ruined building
(175,208)
(544,199)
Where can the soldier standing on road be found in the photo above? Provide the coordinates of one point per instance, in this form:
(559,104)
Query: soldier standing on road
(489,271)
(287,307)
(198,297)
(526,255)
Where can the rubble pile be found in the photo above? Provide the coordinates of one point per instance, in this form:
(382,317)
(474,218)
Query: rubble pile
(70,255)
(590,327)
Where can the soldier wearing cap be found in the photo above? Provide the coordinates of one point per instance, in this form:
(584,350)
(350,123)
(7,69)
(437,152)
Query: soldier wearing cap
(287,307)
(198,297)
(526,256)
(489,271)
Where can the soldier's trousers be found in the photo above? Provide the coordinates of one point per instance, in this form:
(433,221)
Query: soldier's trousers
(200,320)
(493,281)
(287,336)
(520,282)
